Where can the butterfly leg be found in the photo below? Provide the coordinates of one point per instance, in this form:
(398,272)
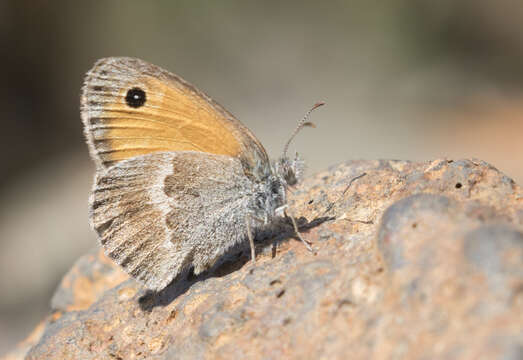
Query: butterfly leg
(297,231)
(331,205)
(251,238)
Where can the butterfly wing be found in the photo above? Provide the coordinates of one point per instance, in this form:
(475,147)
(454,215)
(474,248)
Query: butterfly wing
(159,213)
(131,108)
(173,182)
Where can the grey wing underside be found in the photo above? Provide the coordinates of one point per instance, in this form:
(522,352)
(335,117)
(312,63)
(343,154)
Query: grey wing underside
(156,214)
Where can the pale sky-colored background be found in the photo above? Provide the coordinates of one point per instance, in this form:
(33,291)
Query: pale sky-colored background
(402,79)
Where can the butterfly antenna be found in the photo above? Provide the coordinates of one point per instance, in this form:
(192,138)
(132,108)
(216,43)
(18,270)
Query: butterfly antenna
(301,124)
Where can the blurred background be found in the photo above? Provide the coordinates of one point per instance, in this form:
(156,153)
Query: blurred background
(402,79)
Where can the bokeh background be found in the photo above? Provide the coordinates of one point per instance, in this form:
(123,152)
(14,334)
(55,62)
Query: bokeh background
(402,79)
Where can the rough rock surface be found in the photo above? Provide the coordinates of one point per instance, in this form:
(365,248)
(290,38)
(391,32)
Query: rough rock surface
(413,261)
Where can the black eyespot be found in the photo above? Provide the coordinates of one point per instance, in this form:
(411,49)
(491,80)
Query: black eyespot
(135,97)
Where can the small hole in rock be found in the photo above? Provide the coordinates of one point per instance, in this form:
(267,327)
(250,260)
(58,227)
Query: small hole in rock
(311,201)
(171,316)
(458,185)
(274,282)
(345,302)
(280,294)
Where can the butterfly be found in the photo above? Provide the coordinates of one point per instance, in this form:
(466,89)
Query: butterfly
(179,180)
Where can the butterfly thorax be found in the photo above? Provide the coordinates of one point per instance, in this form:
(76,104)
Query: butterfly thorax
(271,192)
(269,195)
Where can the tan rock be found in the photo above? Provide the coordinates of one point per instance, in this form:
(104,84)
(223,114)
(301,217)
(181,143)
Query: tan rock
(414,261)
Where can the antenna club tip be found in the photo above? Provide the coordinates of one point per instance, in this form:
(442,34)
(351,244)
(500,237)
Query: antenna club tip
(301,124)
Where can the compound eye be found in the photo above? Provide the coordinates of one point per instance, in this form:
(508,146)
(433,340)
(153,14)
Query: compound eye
(290,178)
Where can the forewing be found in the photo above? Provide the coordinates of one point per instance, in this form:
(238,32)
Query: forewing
(158,213)
(175,116)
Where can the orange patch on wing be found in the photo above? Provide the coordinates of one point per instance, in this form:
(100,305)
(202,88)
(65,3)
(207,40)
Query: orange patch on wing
(173,118)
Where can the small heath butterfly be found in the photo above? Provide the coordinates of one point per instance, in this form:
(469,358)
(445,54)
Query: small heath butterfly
(178,179)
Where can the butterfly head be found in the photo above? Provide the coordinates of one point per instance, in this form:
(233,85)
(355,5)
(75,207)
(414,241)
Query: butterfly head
(285,172)
(289,170)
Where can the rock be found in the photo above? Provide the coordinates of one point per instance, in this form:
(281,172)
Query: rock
(413,261)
